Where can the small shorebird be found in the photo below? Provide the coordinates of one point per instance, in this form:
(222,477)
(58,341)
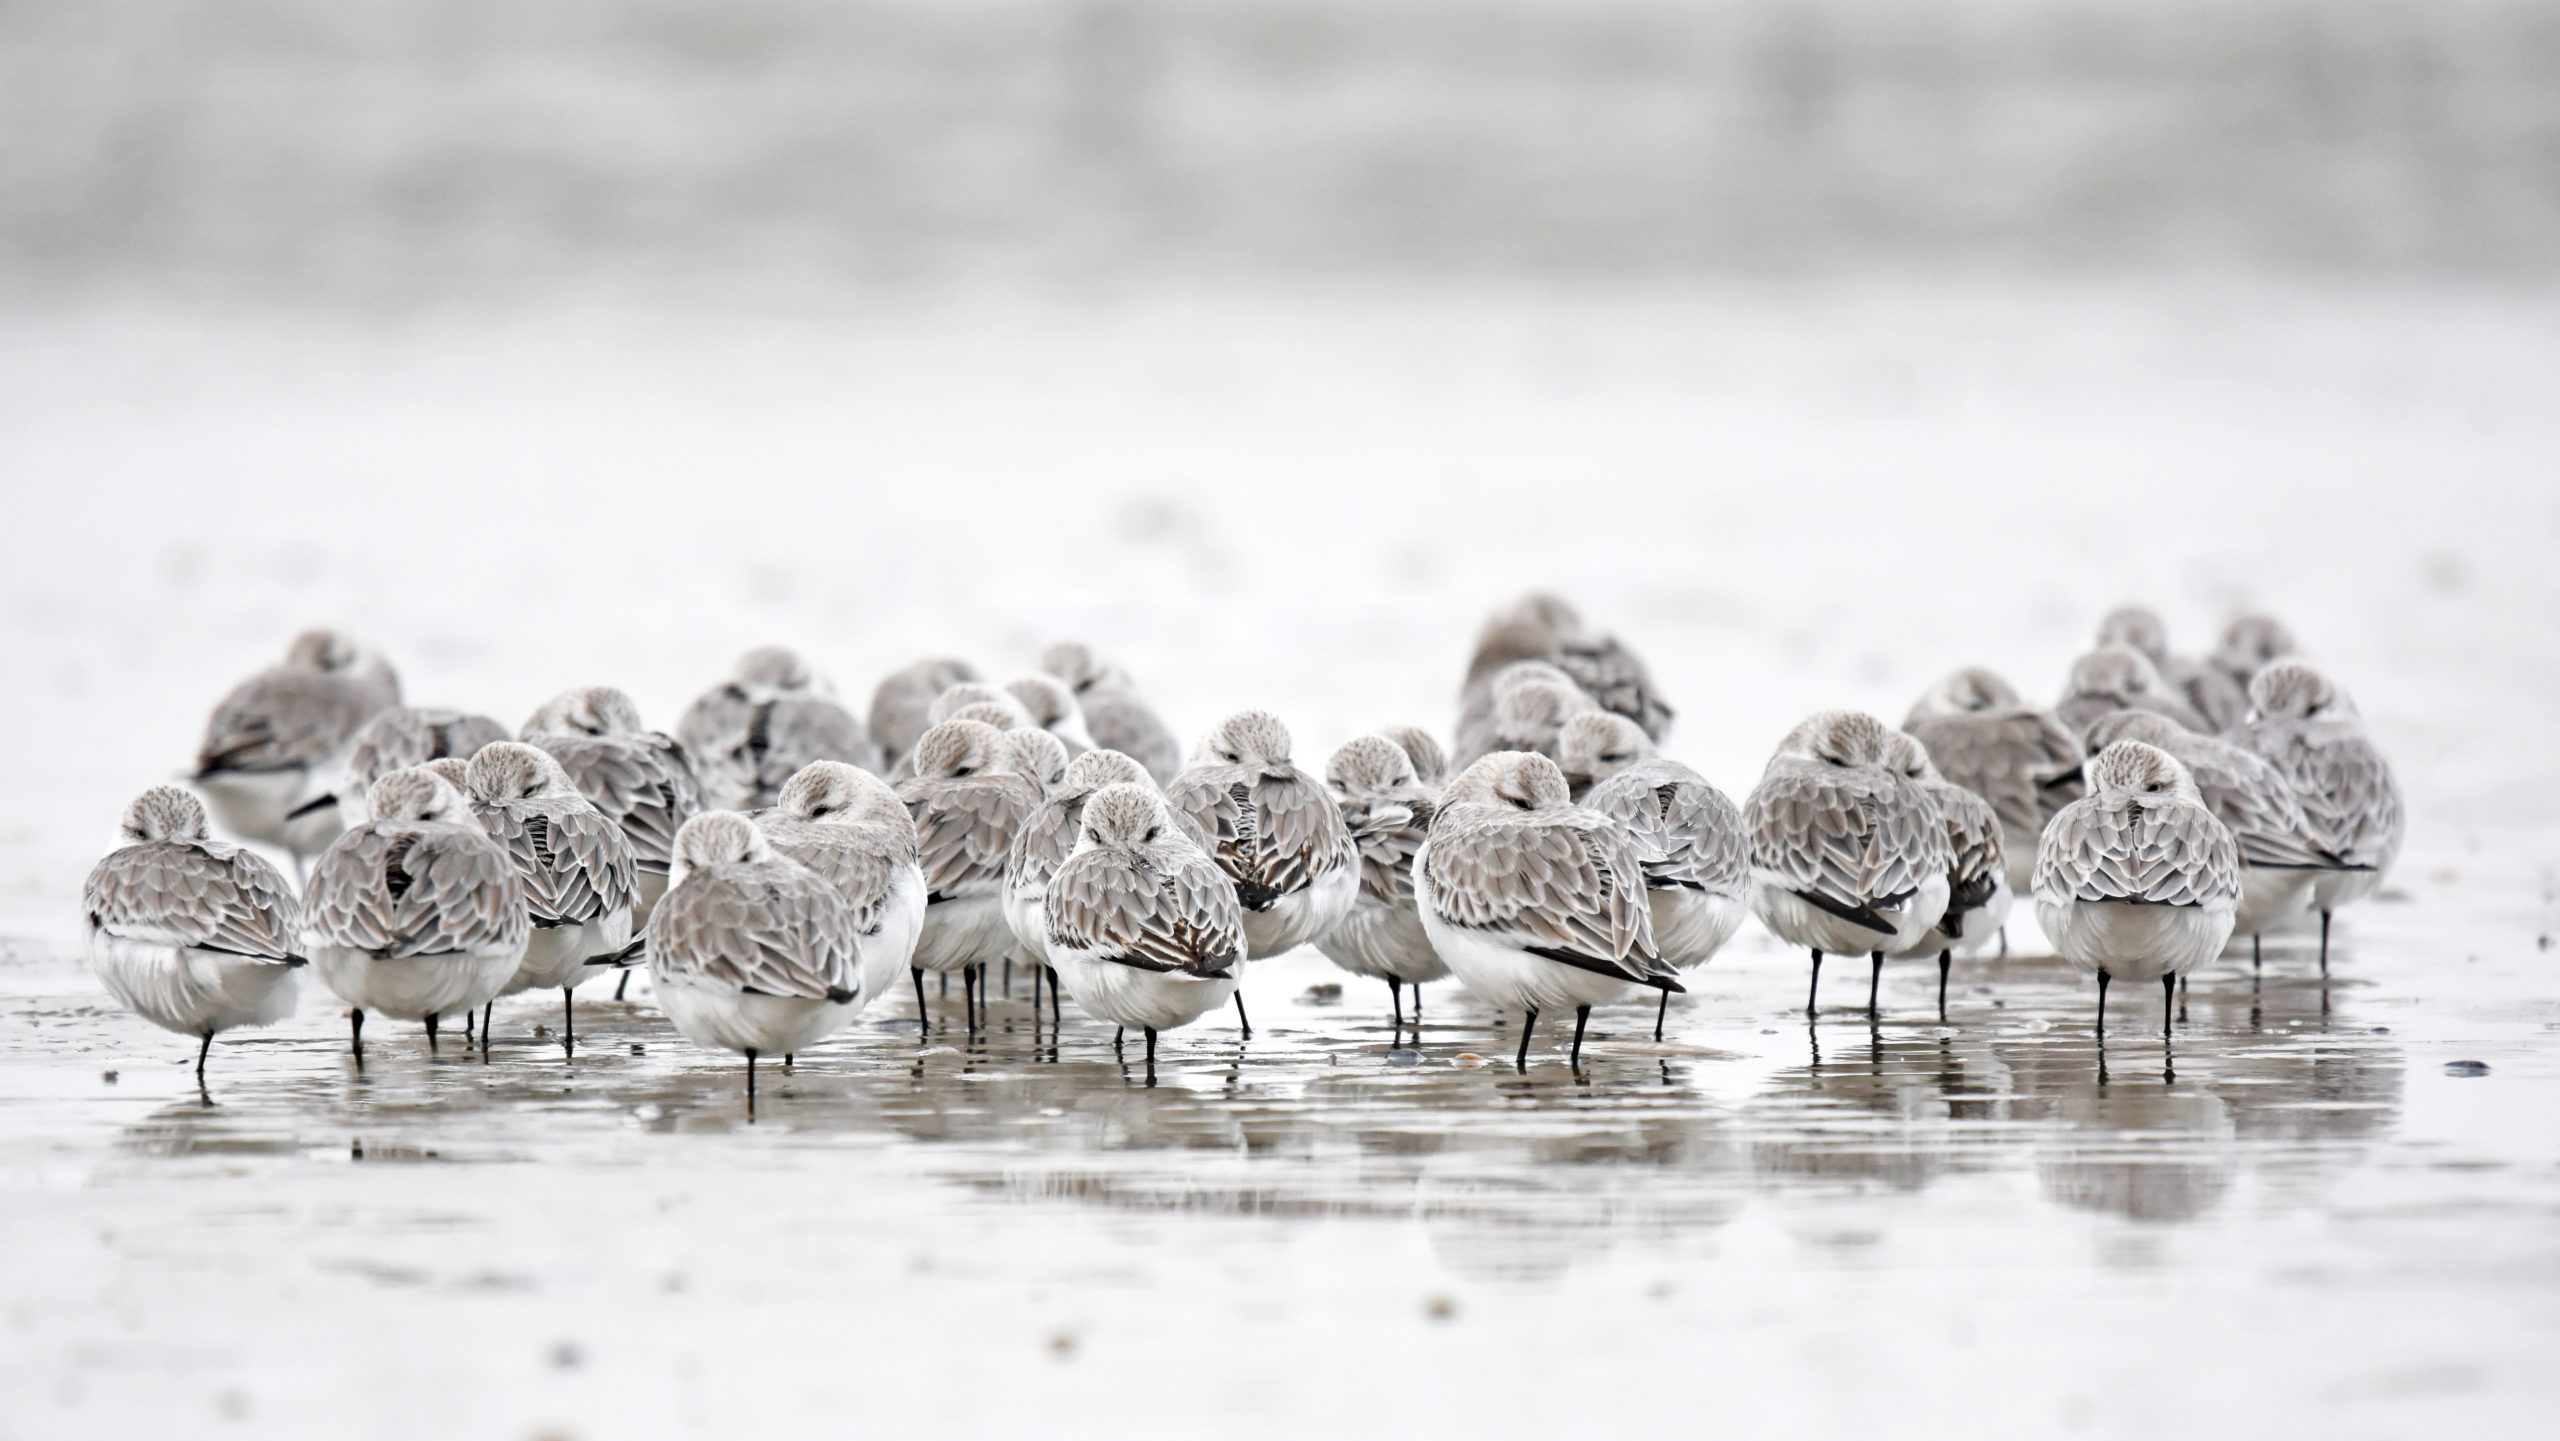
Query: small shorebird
(1528,716)
(847,825)
(1430,762)
(1049,837)
(967,810)
(1278,835)
(1845,854)
(717,715)
(2279,857)
(406,736)
(1978,891)
(1114,714)
(745,768)
(274,746)
(2023,761)
(640,779)
(1476,708)
(1535,903)
(579,880)
(2314,736)
(2250,643)
(2119,678)
(1053,708)
(2216,697)
(416,913)
(190,934)
(900,702)
(1545,627)
(1143,927)
(751,952)
(2137,879)
(1036,755)
(1597,745)
(1388,811)
(1697,863)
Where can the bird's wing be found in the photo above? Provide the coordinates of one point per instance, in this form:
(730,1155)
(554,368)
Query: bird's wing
(1043,844)
(2352,800)
(965,827)
(1118,720)
(1303,833)
(643,784)
(1387,834)
(769,930)
(1573,893)
(575,864)
(1691,832)
(413,890)
(226,900)
(2164,855)
(1836,839)
(283,717)
(1181,917)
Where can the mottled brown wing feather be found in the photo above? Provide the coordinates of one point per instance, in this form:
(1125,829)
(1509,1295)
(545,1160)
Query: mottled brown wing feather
(1181,917)
(2175,854)
(772,930)
(644,784)
(217,897)
(410,890)
(965,827)
(575,864)
(1564,885)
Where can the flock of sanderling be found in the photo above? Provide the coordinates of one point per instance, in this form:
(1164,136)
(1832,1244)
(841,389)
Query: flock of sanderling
(778,864)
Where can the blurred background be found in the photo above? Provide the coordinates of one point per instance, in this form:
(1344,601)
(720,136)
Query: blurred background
(1815,346)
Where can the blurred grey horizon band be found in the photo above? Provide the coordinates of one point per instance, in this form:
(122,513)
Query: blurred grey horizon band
(389,149)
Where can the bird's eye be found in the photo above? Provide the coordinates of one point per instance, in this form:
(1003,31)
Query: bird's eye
(1152,833)
(964,770)
(821,810)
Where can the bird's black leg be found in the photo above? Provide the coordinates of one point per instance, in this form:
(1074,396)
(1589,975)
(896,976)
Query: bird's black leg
(1946,959)
(1813,988)
(1417,1011)
(1528,1023)
(1661,1009)
(2004,943)
(201,1052)
(431,1031)
(1151,1056)
(1008,975)
(1395,998)
(1120,1041)
(2102,1003)
(1581,1020)
(622,985)
(1036,969)
(1875,978)
(1244,1022)
(488,1009)
(2257,952)
(355,1031)
(2168,1003)
(568,1019)
(924,1018)
(467,1031)
(2324,945)
(1054,1014)
(751,1084)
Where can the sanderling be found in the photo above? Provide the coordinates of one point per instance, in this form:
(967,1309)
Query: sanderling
(406,736)
(1534,902)
(1430,762)
(2313,735)
(1978,890)
(417,913)
(1846,856)
(1599,663)
(1278,835)
(1053,708)
(1478,703)
(745,769)
(849,826)
(1142,925)
(968,701)
(1528,716)
(579,881)
(1697,864)
(967,810)
(1387,810)
(273,746)
(190,934)
(1049,837)
(2026,763)
(716,716)
(1036,755)
(2137,879)
(2279,857)
(1597,745)
(2220,700)
(641,779)
(2250,643)
(1114,715)
(2118,678)
(751,952)
(899,703)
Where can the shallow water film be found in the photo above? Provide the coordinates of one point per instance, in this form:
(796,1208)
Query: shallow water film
(2343,1193)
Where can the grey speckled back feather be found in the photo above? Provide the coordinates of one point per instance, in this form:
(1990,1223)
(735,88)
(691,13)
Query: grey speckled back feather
(1978,853)
(1178,915)
(1689,832)
(401,888)
(860,861)
(965,826)
(575,864)
(766,928)
(1845,837)
(211,895)
(285,716)
(1274,827)
(1119,721)
(407,736)
(643,783)
(1565,884)
(2023,761)
(2349,796)
(2164,854)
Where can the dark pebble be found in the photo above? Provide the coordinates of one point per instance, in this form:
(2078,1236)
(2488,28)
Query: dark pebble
(2466,1068)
